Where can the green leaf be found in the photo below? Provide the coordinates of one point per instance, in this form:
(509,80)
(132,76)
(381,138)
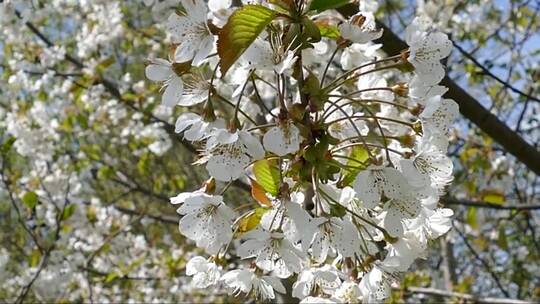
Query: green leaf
(111,277)
(358,159)
(30,200)
(322,5)
(329,31)
(501,240)
(471,218)
(105,173)
(104,64)
(267,175)
(251,221)
(7,145)
(494,198)
(68,211)
(243,26)
(317,97)
(34,258)
(311,30)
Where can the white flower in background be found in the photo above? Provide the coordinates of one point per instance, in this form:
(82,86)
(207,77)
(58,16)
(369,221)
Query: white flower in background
(205,274)
(219,11)
(245,281)
(206,219)
(191,32)
(261,56)
(342,128)
(375,181)
(358,54)
(272,252)
(426,50)
(283,139)
(195,128)
(361,28)
(326,234)
(228,154)
(374,87)
(162,70)
(324,279)
(430,166)
(390,112)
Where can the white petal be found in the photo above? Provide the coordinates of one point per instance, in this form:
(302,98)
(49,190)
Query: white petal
(173,92)
(158,72)
(253,145)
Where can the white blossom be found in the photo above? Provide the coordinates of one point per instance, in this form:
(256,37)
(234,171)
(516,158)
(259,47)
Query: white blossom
(206,219)
(283,139)
(191,32)
(205,273)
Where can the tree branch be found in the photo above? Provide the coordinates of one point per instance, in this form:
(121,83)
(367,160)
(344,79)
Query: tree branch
(482,261)
(469,107)
(480,204)
(490,74)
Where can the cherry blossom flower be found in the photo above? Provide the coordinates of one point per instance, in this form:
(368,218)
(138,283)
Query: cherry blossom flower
(430,166)
(283,139)
(205,274)
(195,128)
(245,281)
(324,279)
(206,219)
(162,70)
(325,234)
(375,285)
(228,154)
(375,181)
(360,28)
(272,252)
(438,116)
(426,50)
(348,292)
(191,32)
(261,56)
(319,300)
(396,211)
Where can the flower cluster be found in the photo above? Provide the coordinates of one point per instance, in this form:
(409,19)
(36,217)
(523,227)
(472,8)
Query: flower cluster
(344,151)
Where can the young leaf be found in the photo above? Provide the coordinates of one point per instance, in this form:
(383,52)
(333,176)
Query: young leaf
(68,212)
(30,200)
(358,159)
(243,26)
(267,175)
(328,31)
(322,5)
(471,218)
(251,221)
(493,197)
(258,193)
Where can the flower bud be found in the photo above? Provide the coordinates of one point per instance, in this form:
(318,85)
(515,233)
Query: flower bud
(208,114)
(210,186)
(401,89)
